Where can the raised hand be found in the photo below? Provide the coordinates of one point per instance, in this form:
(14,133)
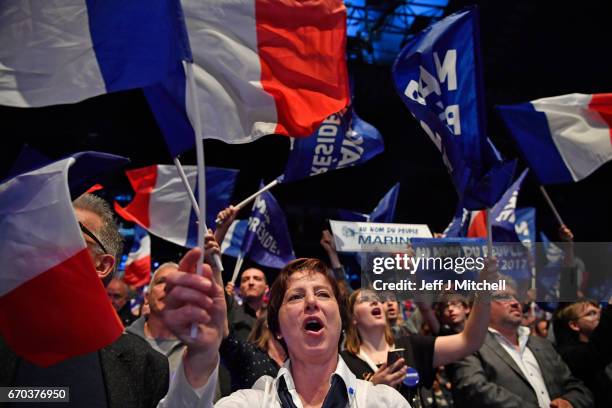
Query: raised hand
(193,299)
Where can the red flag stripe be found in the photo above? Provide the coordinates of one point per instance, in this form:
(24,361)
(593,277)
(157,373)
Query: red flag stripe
(602,104)
(65,328)
(143,182)
(298,45)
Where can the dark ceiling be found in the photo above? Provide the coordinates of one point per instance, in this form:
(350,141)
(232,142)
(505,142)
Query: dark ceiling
(531,49)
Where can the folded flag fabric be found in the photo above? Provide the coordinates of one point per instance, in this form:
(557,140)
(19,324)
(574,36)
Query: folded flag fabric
(138,265)
(564,138)
(261,67)
(65,51)
(385,210)
(232,242)
(89,167)
(161,204)
(473,224)
(342,140)
(438,77)
(45,257)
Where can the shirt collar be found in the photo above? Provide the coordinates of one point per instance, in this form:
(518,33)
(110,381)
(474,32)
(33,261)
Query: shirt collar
(342,370)
(523,335)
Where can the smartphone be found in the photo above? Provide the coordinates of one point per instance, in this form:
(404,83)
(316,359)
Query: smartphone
(394,355)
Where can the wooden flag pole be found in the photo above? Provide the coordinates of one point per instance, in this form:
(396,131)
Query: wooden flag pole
(552,206)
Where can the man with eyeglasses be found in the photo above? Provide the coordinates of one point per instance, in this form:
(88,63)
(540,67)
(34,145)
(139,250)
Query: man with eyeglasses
(514,369)
(127,373)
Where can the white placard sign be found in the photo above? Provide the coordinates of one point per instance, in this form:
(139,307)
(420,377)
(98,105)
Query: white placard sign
(370,236)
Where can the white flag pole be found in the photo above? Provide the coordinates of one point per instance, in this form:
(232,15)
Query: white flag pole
(194,204)
(237,267)
(194,115)
(183,177)
(253,196)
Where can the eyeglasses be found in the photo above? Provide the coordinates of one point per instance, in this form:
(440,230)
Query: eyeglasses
(503,297)
(91,235)
(368,297)
(388,297)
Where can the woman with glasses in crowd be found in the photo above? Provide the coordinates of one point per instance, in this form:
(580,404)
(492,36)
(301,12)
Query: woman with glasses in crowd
(369,340)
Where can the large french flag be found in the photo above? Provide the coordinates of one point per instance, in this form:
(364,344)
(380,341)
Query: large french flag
(161,204)
(63,51)
(138,265)
(45,257)
(261,67)
(564,138)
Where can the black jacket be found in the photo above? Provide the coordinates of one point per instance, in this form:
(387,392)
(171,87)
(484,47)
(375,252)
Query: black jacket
(135,375)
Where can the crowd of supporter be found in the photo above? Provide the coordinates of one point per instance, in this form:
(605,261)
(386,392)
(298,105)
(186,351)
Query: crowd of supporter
(308,339)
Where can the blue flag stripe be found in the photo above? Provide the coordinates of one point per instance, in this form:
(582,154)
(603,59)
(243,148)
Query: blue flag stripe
(150,41)
(530,130)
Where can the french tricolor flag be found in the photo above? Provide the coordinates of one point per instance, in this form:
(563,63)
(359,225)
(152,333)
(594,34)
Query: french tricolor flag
(161,204)
(65,51)
(261,67)
(138,265)
(564,138)
(45,257)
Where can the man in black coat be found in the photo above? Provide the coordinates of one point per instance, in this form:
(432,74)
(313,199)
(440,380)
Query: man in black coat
(127,373)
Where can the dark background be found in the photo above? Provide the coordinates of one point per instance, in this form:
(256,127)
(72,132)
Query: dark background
(531,49)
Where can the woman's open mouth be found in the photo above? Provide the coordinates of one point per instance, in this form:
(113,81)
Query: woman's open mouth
(313,325)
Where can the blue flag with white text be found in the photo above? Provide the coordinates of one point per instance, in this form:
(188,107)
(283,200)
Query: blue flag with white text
(525,227)
(438,76)
(267,240)
(342,140)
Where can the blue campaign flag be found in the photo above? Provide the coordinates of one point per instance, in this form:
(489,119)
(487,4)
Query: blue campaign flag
(385,210)
(342,140)
(267,240)
(438,76)
(554,254)
(503,224)
(503,213)
(525,227)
